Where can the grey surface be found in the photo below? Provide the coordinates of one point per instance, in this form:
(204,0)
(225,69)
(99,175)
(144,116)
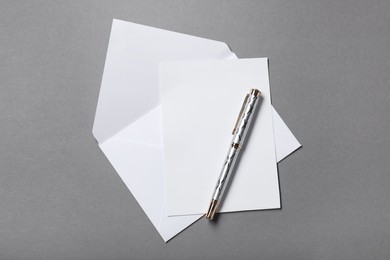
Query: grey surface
(330,75)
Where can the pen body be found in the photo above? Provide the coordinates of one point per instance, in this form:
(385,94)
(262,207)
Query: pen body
(226,172)
(239,134)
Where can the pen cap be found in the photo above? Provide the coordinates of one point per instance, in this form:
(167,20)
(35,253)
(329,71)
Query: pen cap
(240,114)
(245,116)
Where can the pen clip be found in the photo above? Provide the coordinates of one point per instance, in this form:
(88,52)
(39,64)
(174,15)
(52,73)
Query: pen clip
(240,114)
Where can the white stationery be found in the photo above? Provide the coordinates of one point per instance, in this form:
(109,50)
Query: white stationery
(200,103)
(128,124)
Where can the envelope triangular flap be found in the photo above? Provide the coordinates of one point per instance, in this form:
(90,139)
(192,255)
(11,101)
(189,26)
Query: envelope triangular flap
(129,86)
(145,180)
(146,130)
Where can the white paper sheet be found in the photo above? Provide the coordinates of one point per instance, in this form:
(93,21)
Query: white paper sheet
(127,123)
(200,103)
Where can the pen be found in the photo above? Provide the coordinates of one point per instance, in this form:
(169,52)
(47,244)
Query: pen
(240,131)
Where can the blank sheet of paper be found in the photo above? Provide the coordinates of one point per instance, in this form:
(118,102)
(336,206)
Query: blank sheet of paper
(200,103)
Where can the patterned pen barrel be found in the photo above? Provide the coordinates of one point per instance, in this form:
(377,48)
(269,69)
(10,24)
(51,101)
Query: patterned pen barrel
(239,133)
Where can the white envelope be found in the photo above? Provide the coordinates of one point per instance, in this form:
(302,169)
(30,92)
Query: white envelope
(128,124)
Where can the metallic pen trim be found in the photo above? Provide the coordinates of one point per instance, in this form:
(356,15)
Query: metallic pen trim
(236,145)
(212,209)
(255,92)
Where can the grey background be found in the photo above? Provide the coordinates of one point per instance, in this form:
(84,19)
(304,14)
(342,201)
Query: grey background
(329,71)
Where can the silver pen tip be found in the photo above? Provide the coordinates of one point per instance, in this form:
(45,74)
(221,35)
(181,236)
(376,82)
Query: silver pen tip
(212,210)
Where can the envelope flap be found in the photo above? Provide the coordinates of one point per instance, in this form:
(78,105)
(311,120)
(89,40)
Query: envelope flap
(129,87)
(146,130)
